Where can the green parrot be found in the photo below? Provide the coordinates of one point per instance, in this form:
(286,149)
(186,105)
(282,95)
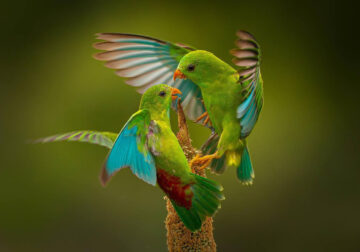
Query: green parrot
(214,94)
(150,149)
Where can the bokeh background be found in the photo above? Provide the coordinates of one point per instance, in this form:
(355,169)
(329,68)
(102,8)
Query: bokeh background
(305,147)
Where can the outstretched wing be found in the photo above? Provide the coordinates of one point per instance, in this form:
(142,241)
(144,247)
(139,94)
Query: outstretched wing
(146,61)
(105,139)
(247,57)
(130,150)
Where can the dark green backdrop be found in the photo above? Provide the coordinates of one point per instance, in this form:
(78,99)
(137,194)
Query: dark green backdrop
(305,147)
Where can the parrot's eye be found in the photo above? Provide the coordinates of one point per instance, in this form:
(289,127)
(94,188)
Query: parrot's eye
(191,67)
(162,93)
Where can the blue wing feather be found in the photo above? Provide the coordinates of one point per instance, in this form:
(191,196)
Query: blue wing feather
(243,108)
(126,153)
(248,111)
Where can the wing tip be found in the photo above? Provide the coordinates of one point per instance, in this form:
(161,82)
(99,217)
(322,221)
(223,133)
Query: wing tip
(95,56)
(107,36)
(98,45)
(245,63)
(110,36)
(247,54)
(233,51)
(99,56)
(104,176)
(245,35)
(153,181)
(101,35)
(34,141)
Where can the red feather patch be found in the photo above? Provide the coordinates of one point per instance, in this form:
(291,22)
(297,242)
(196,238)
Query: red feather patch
(175,189)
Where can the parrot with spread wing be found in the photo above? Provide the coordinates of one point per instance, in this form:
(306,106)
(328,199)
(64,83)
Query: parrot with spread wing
(214,94)
(150,149)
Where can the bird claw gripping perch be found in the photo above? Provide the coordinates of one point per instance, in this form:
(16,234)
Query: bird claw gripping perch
(202,162)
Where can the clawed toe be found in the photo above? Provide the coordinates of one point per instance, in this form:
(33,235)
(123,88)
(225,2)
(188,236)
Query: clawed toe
(206,164)
(192,162)
(202,162)
(207,118)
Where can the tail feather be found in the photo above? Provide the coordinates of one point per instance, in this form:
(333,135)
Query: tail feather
(207,195)
(214,187)
(245,171)
(189,217)
(203,210)
(209,147)
(218,165)
(208,201)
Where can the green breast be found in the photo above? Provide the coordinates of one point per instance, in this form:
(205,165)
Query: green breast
(168,154)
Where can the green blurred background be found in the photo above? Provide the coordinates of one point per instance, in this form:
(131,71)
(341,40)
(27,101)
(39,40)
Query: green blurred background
(305,147)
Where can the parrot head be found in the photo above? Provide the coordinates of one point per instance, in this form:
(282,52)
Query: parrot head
(201,67)
(158,98)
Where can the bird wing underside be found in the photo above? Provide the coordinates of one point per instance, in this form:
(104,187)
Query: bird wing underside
(145,62)
(247,58)
(130,150)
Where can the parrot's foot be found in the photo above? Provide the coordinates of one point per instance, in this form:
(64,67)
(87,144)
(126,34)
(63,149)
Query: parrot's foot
(192,161)
(203,162)
(207,119)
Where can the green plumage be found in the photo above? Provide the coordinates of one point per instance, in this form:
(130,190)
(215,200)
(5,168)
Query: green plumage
(233,99)
(207,195)
(171,161)
(147,145)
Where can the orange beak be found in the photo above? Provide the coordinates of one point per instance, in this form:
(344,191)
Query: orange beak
(174,93)
(179,74)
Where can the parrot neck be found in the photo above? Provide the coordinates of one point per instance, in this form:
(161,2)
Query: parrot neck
(158,111)
(164,115)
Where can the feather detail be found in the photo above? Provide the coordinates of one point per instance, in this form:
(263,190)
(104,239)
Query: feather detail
(146,61)
(133,62)
(130,150)
(105,139)
(139,70)
(123,37)
(110,46)
(247,57)
(205,201)
(148,77)
(116,55)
